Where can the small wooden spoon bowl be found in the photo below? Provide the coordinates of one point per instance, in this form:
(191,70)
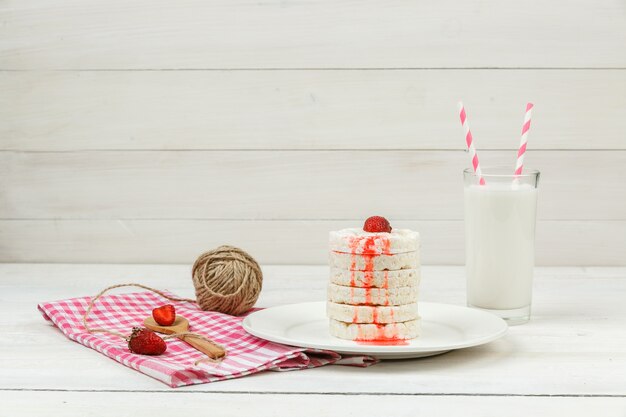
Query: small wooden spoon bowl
(181,325)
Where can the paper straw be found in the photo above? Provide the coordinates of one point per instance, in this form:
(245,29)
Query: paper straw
(470,143)
(519,164)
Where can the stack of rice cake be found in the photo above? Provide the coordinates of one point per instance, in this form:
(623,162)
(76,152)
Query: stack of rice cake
(374,278)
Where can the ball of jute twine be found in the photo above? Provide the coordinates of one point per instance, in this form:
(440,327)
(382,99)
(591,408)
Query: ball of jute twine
(227,279)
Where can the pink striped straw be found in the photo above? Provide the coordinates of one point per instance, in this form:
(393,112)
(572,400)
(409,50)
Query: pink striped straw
(470,143)
(519,164)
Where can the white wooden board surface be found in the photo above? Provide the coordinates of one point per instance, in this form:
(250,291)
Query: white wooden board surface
(144,104)
(380,109)
(95,404)
(291,185)
(571,355)
(302,34)
(598,242)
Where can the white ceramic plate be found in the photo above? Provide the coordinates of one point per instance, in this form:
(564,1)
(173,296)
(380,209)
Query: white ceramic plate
(444,327)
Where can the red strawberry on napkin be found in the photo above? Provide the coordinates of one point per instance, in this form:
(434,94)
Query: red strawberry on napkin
(146,342)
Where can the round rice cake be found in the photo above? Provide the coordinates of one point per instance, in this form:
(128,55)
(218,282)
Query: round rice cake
(358,241)
(375,332)
(372,296)
(371,314)
(352,262)
(379,279)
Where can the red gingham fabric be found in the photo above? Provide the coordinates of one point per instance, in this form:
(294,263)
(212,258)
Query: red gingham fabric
(247,354)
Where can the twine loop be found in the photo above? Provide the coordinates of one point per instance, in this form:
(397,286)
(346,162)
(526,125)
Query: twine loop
(167,337)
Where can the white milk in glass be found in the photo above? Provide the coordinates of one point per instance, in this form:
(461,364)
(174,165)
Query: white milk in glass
(500,245)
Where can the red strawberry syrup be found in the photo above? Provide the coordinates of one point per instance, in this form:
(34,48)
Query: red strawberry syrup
(368,277)
(368,296)
(383,342)
(380,339)
(369,252)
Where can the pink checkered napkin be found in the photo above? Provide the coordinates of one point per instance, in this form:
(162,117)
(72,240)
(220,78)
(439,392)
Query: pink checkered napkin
(247,354)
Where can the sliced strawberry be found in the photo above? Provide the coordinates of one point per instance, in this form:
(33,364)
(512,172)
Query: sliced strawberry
(164,315)
(377,224)
(146,342)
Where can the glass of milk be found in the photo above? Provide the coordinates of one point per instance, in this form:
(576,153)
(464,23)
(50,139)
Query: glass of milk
(500,218)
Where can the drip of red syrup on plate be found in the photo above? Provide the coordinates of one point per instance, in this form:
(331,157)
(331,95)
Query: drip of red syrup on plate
(383,342)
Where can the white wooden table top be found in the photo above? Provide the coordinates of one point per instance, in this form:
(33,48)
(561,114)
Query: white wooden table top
(570,359)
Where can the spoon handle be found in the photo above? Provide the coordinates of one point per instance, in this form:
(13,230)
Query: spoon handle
(208,348)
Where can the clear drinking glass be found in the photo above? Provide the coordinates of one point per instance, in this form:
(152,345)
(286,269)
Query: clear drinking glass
(500,217)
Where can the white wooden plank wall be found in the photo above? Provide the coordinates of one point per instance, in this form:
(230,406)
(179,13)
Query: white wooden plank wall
(149,131)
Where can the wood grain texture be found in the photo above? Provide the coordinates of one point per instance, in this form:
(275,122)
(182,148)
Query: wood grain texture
(79,404)
(234,185)
(300,34)
(572,346)
(280,242)
(124,123)
(413,109)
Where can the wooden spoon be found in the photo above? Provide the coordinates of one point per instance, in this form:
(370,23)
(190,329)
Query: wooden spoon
(181,325)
